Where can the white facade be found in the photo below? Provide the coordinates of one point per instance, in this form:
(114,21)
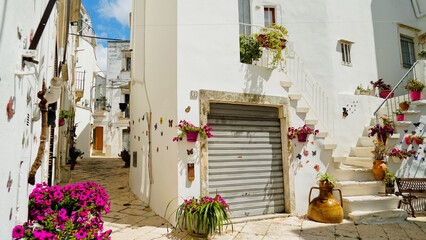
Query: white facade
(193,46)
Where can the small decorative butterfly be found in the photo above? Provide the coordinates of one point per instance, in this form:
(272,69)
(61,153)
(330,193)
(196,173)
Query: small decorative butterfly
(161,121)
(190,151)
(167,147)
(415,157)
(170,123)
(317,167)
(134,137)
(306,153)
(158,149)
(299,156)
(139,138)
(155,126)
(139,119)
(143,117)
(187,109)
(133,122)
(406,130)
(345,113)
(416,124)
(312,143)
(314,153)
(161,133)
(307,162)
(413,132)
(301,165)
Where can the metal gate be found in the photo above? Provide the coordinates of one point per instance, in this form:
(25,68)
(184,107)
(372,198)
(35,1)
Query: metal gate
(244,158)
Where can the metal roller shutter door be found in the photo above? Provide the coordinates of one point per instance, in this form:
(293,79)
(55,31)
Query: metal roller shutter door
(245,161)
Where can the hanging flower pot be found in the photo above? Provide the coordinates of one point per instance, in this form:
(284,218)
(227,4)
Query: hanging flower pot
(192,136)
(302,137)
(415,95)
(400,117)
(379,167)
(419,140)
(61,122)
(408,140)
(385,93)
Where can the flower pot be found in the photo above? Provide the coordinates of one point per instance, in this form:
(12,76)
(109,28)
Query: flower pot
(365,92)
(61,122)
(419,141)
(379,167)
(404,106)
(357,92)
(385,93)
(302,137)
(415,95)
(408,140)
(325,208)
(264,42)
(192,136)
(400,117)
(390,189)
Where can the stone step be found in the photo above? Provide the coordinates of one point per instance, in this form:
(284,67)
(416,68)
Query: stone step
(350,173)
(411,112)
(361,151)
(294,96)
(302,109)
(322,134)
(329,146)
(378,217)
(369,203)
(403,124)
(418,103)
(357,188)
(365,142)
(364,162)
(286,84)
(311,122)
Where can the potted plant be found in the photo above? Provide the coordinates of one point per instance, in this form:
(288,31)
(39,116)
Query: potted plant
(399,115)
(103,108)
(422,54)
(192,131)
(70,212)
(382,131)
(361,91)
(404,105)
(302,133)
(379,165)
(409,139)
(419,139)
(204,216)
(123,106)
(125,156)
(415,88)
(384,89)
(325,208)
(249,49)
(64,114)
(389,180)
(397,155)
(74,153)
(274,38)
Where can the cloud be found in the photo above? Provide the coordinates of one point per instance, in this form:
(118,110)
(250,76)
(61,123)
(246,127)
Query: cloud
(118,9)
(101,56)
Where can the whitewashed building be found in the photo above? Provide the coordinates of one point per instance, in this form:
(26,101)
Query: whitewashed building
(186,66)
(110,132)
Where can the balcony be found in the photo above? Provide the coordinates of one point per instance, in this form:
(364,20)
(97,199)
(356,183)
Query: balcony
(263,46)
(80,78)
(100,107)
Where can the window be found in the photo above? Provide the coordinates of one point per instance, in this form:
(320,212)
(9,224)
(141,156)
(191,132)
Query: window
(128,63)
(244,16)
(269,16)
(407,52)
(345,48)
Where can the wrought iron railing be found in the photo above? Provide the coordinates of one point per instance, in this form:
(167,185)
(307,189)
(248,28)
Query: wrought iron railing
(399,95)
(79,80)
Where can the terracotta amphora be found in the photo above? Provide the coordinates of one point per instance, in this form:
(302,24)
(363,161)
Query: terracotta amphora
(325,208)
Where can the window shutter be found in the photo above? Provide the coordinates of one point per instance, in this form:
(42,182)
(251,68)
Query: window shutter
(244,16)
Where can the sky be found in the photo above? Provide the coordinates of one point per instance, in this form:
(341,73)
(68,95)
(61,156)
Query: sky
(110,18)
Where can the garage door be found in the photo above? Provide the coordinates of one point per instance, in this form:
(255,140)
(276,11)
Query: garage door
(245,165)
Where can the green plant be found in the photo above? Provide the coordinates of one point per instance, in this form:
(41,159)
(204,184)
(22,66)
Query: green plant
(380,150)
(325,177)
(249,49)
(204,215)
(65,114)
(274,38)
(398,112)
(381,85)
(405,102)
(414,85)
(389,178)
(422,54)
(184,127)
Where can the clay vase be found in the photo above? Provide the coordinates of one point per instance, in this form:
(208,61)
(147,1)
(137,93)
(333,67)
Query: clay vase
(325,208)
(404,106)
(379,167)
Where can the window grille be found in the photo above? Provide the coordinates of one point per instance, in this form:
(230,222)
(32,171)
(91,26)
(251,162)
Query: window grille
(345,48)
(407,52)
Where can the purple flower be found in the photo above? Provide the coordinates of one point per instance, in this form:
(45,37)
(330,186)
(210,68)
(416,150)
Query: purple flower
(18,232)
(81,235)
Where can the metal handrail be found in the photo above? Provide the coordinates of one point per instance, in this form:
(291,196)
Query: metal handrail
(393,90)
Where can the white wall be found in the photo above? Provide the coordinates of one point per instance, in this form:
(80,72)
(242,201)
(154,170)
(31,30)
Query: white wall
(19,141)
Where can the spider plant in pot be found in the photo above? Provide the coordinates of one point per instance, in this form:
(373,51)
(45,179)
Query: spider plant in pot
(404,105)
(399,115)
(415,88)
(202,217)
(389,181)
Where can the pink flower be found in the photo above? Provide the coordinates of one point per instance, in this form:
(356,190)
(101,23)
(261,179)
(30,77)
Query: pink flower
(18,232)
(81,235)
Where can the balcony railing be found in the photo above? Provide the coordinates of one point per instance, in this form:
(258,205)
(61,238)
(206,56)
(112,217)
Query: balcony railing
(100,104)
(80,78)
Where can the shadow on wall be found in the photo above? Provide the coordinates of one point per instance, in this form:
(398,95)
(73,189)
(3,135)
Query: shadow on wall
(83,141)
(254,79)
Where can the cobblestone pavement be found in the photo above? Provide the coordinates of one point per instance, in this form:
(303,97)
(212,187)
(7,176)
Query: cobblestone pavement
(131,218)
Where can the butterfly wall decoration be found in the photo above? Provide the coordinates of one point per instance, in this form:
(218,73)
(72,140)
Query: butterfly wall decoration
(161,121)
(345,112)
(416,124)
(190,151)
(187,109)
(299,156)
(170,123)
(314,153)
(306,153)
(155,126)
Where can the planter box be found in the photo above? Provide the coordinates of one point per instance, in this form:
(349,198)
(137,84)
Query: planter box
(385,93)
(263,41)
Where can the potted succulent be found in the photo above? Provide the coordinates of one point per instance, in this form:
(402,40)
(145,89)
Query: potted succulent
(125,156)
(384,89)
(404,105)
(249,49)
(415,88)
(397,155)
(274,38)
(74,153)
(325,208)
(399,115)
(382,131)
(389,180)
(204,216)
(192,131)
(379,165)
(302,133)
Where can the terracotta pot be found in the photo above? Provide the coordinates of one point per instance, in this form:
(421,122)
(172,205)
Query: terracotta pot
(385,93)
(404,106)
(400,117)
(325,208)
(379,167)
(302,137)
(192,136)
(415,95)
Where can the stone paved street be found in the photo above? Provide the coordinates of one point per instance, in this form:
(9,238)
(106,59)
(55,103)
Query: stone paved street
(131,218)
